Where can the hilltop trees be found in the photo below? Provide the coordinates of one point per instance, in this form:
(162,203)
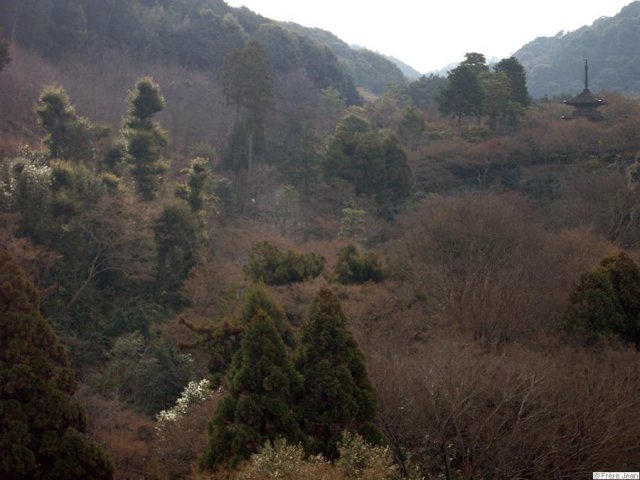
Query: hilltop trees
(145,140)
(41,428)
(474,90)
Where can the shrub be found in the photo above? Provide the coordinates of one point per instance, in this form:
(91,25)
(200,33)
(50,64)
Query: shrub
(267,263)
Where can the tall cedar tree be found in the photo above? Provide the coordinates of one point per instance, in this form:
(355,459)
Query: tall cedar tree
(263,384)
(222,339)
(337,393)
(607,301)
(145,140)
(248,85)
(41,428)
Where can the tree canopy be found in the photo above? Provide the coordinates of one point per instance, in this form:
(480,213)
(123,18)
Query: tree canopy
(262,387)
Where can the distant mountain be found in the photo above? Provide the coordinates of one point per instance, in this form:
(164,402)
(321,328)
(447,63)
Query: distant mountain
(407,70)
(554,65)
(370,70)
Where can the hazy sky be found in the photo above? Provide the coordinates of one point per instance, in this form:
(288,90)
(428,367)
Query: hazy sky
(428,35)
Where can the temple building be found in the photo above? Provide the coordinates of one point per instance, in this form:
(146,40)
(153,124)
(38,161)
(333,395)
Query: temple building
(586,104)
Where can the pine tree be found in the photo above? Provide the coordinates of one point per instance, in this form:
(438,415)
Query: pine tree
(41,428)
(263,384)
(337,394)
(145,140)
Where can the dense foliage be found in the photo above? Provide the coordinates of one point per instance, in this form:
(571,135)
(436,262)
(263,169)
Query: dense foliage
(268,264)
(42,428)
(354,266)
(607,301)
(337,393)
(262,387)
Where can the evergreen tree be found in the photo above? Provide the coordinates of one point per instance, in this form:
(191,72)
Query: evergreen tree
(476,62)
(337,394)
(263,384)
(463,96)
(178,233)
(42,431)
(69,136)
(248,85)
(145,140)
(517,79)
(193,190)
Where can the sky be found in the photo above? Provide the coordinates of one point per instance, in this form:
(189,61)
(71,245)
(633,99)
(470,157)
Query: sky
(429,35)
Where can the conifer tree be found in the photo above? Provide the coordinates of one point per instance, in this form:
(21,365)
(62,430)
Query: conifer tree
(145,140)
(263,384)
(42,431)
(69,136)
(337,394)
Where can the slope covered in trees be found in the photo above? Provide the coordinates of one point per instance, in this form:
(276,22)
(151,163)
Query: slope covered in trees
(554,64)
(450,291)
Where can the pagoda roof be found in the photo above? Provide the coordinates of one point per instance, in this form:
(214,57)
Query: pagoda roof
(586,98)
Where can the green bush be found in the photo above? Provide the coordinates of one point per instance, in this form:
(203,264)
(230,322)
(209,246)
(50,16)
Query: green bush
(268,264)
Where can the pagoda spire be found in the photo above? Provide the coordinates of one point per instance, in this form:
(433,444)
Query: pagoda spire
(586,74)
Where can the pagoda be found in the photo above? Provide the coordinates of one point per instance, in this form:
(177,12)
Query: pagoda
(586,104)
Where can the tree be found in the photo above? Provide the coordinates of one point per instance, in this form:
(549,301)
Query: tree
(356,267)
(69,136)
(145,140)
(262,387)
(426,90)
(222,339)
(337,394)
(517,78)
(42,431)
(371,160)
(463,96)
(268,264)
(248,85)
(179,233)
(193,190)
(497,92)
(607,301)
(476,62)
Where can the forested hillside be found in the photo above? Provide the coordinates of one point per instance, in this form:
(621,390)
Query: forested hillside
(221,256)
(553,64)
